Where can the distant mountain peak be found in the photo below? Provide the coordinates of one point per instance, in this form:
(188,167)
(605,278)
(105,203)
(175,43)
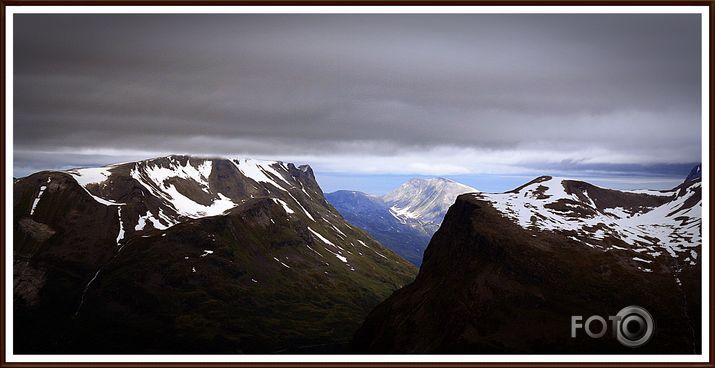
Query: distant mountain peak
(425,200)
(405,218)
(438,180)
(423,182)
(552,245)
(695,173)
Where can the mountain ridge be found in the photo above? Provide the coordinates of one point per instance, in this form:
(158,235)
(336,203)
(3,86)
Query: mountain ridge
(371,214)
(425,200)
(505,272)
(158,251)
(405,218)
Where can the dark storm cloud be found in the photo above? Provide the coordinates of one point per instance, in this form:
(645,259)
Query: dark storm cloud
(322,85)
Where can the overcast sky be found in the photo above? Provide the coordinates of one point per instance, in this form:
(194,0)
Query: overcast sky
(368,95)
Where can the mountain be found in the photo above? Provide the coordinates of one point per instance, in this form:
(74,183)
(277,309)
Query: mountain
(403,219)
(423,203)
(505,272)
(695,173)
(371,214)
(190,255)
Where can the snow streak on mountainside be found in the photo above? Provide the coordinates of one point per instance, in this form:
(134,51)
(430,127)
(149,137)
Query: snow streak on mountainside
(174,189)
(404,219)
(242,242)
(372,215)
(533,256)
(424,202)
(648,224)
(695,173)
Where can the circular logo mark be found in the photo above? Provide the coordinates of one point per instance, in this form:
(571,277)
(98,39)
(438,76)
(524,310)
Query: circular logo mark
(635,326)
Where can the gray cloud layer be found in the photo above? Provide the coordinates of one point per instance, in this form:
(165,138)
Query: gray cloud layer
(514,89)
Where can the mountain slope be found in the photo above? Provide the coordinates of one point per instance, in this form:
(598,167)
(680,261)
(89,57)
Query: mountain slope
(695,173)
(404,219)
(371,214)
(652,226)
(505,272)
(184,254)
(423,203)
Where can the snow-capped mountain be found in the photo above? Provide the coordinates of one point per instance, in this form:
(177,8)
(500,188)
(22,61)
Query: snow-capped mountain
(176,188)
(405,218)
(506,271)
(422,203)
(371,214)
(695,173)
(648,225)
(188,254)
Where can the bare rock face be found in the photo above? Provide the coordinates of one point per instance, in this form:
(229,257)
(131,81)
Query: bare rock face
(505,273)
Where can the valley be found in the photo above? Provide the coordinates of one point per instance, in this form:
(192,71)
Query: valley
(183,254)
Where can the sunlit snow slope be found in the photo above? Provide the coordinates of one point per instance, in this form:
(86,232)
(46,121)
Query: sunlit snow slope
(646,223)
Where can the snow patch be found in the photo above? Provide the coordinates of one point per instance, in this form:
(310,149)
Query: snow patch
(326,241)
(672,226)
(154,177)
(301,207)
(120,236)
(285,206)
(314,251)
(92,175)
(257,170)
(39,195)
(88,176)
(141,223)
(281,262)
(365,245)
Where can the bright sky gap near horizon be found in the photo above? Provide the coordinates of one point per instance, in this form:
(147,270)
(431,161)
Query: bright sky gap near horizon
(367,100)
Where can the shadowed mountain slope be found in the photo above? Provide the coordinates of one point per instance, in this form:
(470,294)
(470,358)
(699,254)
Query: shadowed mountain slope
(190,255)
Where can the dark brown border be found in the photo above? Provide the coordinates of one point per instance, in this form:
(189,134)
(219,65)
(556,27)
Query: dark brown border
(4,201)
